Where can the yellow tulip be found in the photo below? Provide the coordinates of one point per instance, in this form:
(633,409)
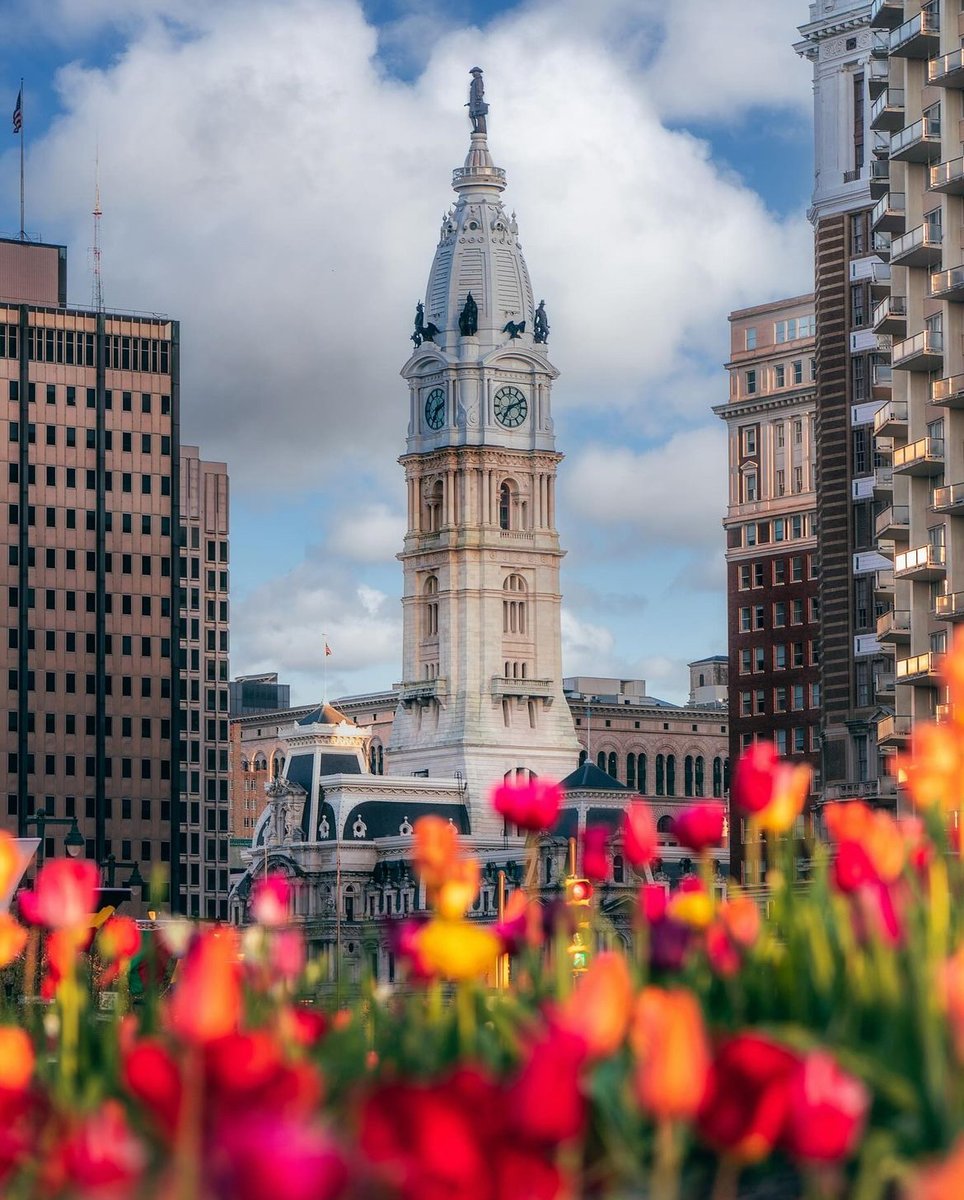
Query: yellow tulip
(457,949)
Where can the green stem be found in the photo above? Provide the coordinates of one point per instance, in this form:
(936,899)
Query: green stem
(666,1161)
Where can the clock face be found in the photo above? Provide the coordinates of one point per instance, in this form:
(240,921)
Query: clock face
(511,407)
(435,408)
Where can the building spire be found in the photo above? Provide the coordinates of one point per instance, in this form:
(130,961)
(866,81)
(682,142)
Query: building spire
(479,172)
(97,288)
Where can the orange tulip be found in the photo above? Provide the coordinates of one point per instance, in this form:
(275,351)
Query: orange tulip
(207,995)
(118,938)
(459,889)
(741,919)
(791,786)
(672,1052)
(16,1058)
(599,1007)
(953,673)
(943,1180)
(435,847)
(9,862)
(951,987)
(933,772)
(13,938)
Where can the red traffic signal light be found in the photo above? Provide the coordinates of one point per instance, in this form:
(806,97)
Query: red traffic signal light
(578,891)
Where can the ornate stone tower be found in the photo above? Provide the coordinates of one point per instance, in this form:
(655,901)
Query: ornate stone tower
(482,689)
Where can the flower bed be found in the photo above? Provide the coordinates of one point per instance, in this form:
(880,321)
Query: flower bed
(809,1043)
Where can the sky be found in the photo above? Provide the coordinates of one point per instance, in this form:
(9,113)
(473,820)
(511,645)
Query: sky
(273,172)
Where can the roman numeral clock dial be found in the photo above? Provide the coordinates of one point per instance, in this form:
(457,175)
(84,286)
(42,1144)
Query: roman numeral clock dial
(435,408)
(511,407)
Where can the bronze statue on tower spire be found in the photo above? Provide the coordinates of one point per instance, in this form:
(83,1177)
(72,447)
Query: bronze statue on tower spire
(477,106)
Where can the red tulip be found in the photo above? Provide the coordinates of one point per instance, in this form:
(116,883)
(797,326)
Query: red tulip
(207,994)
(532,804)
(118,938)
(753,779)
(266,1157)
(303,1026)
(595,859)
(64,894)
(640,839)
(745,1107)
(722,954)
(700,826)
(653,901)
(270,900)
(545,1101)
(826,1113)
(153,1077)
(101,1155)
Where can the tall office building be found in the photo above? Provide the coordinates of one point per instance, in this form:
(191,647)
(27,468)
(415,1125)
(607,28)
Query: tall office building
(858,527)
(773,605)
(97,706)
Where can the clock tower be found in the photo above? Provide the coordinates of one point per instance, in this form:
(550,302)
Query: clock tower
(481,694)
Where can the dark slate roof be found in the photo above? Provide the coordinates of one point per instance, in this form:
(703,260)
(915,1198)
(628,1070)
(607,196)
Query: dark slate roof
(325,714)
(383,818)
(589,778)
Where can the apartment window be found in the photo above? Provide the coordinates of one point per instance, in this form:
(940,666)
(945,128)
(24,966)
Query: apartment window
(798,657)
(796,568)
(746,661)
(858,234)
(858,305)
(779,526)
(758,574)
(751,338)
(781,741)
(815,695)
(779,614)
(748,433)
(780,481)
(759,658)
(813,370)
(760,702)
(744,577)
(744,620)
(746,700)
(797,480)
(858,126)
(779,571)
(749,383)
(780,657)
(758,616)
(750,492)
(780,699)
(797,617)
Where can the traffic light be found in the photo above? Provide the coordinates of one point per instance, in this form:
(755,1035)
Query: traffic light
(578,954)
(579,893)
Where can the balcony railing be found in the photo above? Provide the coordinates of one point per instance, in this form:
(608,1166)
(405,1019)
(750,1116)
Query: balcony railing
(948,392)
(890,315)
(948,177)
(521,687)
(922,352)
(887,111)
(919,142)
(917,38)
(948,285)
(949,607)
(889,213)
(878,77)
(949,499)
(891,418)
(919,247)
(883,479)
(921,666)
(923,562)
(894,625)
(893,730)
(883,582)
(879,177)
(894,519)
(923,457)
(418,691)
(947,70)
(884,682)
(885,14)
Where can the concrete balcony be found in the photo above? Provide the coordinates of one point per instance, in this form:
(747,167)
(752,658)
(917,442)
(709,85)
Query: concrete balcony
(923,457)
(522,689)
(880,44)
(893,732)
(949,607)
(883,584)
(919,247)
(886,14)
(948,392)
(421,691)
(884,685)
(949,499)
(871,269)
(887,548)
(887,111)
(922,668)
(889,214)
(917,38)
(894,626)
(948,177)
(881,243)
(877,73)
(879,178)
(893,522)
(922,352)
(868,789)
(919,142)
(924,563)
(890,316)
(948,285)
(891,418)
(883,482)
(947,70)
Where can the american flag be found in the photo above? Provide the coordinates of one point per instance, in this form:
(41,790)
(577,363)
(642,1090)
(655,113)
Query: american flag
(327,650)
(18,113)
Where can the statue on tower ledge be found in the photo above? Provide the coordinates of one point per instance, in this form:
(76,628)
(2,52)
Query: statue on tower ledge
(469,317)
(541,324)
(477,106)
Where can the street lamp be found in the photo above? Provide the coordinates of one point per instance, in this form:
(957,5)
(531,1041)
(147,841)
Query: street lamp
(74,842)
(134,880)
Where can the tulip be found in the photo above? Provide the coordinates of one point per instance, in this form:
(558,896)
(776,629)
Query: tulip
(64,894)
(270,900)
(827,1111)
(672,1052)
(653,899)
(9,862)
(457,949)
(599,1007)
(700,826)
(532,804)
(118,938)
(302,1026)
(13,938)
(595,859)
(102,1155)
(747,1096)
(206,1003)
(640,839)
(691,906)
(434,850)
(545,1101)
(791,787)
(951,991)
(753,779)
(522,923)
(933,771)
(942,1180)
(16,1058)
(741,919)
(458,890)
(151,1074)
(723,956)
(267,1157)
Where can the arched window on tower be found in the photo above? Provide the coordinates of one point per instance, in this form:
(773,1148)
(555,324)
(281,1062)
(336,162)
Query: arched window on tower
(717,776)
(631,770)
(688,775)
(505,506)
(612,766)
(583,755)
(435,498)
(514,616)
(430,591)
(670,774)
(660,775)
(700,769)
(601,760)
(641,772)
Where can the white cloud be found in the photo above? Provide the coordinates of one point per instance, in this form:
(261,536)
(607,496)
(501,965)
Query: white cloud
(587,649)
(373,534)
(673,493)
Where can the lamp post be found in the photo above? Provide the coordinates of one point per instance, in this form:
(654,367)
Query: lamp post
(134,880)
(74,842)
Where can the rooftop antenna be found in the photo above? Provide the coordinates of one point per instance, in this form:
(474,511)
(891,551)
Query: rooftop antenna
(97,288)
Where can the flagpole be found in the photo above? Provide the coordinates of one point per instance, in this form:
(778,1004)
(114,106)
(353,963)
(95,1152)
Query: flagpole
(324,668)
(23,235)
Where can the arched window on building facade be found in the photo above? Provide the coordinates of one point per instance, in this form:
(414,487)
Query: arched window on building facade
(688,775)
(430,592)
(670,774)
(700,770)
(505,506)
(631,770)
(660,775)
(601,760)
(612,766)
(583,755)
(717,776)
(514,616)
(641,774)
